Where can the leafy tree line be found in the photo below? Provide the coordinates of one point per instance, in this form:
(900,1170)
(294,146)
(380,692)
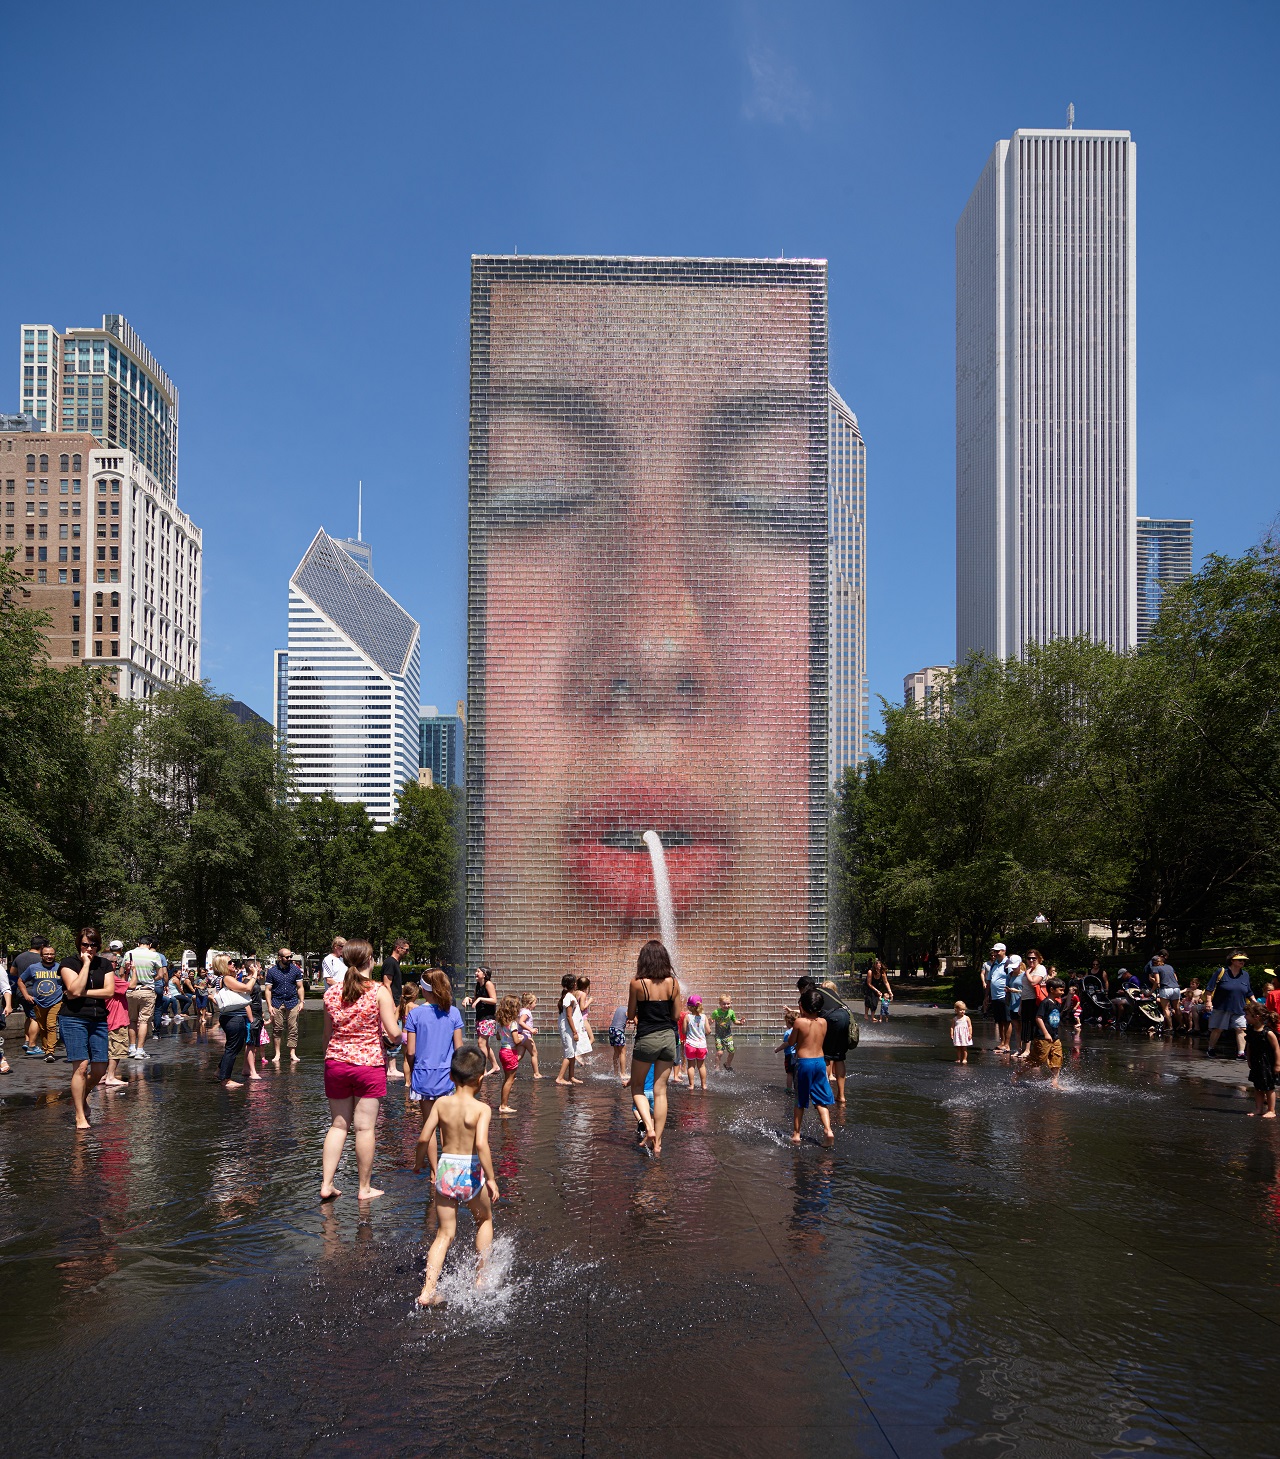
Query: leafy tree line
(1139,790)
(170,816)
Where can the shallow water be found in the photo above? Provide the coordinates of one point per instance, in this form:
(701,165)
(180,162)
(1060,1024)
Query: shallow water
(977,1267)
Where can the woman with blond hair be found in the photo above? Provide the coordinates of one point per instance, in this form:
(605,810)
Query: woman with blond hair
(357,1013)
(233,993)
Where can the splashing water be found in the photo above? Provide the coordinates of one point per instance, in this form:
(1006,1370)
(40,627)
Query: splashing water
(662,886)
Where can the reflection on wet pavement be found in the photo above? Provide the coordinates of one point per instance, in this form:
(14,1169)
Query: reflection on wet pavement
(977,1267)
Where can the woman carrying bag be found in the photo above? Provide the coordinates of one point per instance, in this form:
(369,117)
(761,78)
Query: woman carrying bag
(232,996)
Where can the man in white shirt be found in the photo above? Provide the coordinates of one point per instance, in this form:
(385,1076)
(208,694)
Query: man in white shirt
(333,967)
(141,965)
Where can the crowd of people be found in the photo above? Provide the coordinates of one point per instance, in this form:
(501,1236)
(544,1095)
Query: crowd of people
(1032,1007)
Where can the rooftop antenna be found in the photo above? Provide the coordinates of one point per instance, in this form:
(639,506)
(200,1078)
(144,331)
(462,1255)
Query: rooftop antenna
(359,511)
(1071,115)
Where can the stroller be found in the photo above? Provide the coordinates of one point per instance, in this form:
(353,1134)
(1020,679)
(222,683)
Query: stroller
(1138,1008)
(1094,1003)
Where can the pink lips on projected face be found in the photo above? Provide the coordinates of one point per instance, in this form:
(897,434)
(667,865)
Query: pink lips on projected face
(608,861)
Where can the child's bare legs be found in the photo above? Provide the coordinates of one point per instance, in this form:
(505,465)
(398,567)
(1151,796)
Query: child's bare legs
(728,1061)
(565,1075)
(533,1059)
(1270,1112)
(701,1067)
(482,1210)
(446,1230)
(508,1079)
(617,1065)
(824,1114)
(795,1125)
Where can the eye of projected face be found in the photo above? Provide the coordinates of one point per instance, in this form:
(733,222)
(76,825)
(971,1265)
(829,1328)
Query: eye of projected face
(554,452)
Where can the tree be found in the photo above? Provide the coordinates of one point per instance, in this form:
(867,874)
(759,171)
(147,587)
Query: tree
(336,862)
(208,829)
(422,871)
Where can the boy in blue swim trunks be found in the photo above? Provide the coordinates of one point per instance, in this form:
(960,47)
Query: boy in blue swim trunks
(463,1171)
(812,1085)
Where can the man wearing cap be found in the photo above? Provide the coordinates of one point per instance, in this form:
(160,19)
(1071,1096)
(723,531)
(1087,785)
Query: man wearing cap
(1230,990)
(285,992)
(995,993)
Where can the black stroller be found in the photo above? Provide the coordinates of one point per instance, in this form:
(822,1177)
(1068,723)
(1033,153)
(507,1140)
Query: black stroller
(1138,1008)
(1094,1003)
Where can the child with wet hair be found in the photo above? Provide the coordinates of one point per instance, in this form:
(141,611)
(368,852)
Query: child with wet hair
(529,1032)
(508,1054)
(588,1039)
(812,1085)
(462,1173)
(1263,1050)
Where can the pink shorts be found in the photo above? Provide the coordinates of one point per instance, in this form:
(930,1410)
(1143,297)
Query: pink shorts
(695,1056)
(508,1058)
(354,1081)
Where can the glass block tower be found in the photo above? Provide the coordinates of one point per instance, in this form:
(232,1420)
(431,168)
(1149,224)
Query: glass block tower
(1046,378)
(349,704)
(847,568)
(1164,561)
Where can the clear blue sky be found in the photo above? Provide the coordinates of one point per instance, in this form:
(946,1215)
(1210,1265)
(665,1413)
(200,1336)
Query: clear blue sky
(282,199)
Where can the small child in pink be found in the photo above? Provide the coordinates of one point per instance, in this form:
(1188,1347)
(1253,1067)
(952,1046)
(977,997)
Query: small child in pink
(962,1033)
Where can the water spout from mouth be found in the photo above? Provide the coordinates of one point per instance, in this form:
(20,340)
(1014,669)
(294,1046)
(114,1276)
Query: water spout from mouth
(662,886)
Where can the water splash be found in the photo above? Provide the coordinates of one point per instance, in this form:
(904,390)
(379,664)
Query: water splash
(662,886)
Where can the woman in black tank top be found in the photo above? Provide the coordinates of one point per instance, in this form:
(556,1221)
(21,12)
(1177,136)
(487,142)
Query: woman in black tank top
(654,1002)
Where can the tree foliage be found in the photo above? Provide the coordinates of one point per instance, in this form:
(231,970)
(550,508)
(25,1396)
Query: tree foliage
(1140,790)
(171,816)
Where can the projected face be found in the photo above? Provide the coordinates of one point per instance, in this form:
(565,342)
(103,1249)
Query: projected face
(649,521)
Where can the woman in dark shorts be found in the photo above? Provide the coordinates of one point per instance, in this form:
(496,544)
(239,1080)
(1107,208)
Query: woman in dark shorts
(654,1002)
(88,980)
(871,981)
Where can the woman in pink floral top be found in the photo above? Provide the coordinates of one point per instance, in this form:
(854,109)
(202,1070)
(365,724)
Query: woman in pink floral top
(357,1012)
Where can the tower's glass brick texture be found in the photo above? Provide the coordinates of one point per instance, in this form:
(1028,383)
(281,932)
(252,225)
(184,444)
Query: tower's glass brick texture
(648,620)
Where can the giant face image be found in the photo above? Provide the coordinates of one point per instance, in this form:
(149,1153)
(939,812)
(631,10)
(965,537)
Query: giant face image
(648,588)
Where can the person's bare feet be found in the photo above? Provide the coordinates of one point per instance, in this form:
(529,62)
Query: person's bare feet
(276,1061)
(394,1076)
(795,1139)
(255,1076)
(568,1081)
(434,1300)
(294,1059)
(232,1084)
(83,1125)
(576,1080)
(368,1193)
(331,1194)
(1270,1115)
(828,1139)
(539,1076)
(106,1079)
(4,1067)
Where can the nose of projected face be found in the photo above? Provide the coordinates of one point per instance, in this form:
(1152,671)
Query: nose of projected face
(653,659)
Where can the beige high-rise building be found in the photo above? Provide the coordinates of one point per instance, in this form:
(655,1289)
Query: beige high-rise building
(108,554)
(926,688)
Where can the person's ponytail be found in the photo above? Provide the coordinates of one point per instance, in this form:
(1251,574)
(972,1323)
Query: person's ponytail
(358,956)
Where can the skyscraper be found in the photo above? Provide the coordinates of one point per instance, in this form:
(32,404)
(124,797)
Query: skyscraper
(1046,447)
(110,556)
(847,570)
(349,704)
(925,688)
(441,741)
(1164,561)
(105,383)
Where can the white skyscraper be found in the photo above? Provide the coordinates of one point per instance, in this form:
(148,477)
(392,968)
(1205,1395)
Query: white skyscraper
(1046,447)
(847,582)
(347,708)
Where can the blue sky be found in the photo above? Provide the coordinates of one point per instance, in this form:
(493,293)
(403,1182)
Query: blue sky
(282,199)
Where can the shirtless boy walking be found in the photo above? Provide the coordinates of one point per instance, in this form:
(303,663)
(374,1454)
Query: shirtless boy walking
(463,1172)
(812,1084)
